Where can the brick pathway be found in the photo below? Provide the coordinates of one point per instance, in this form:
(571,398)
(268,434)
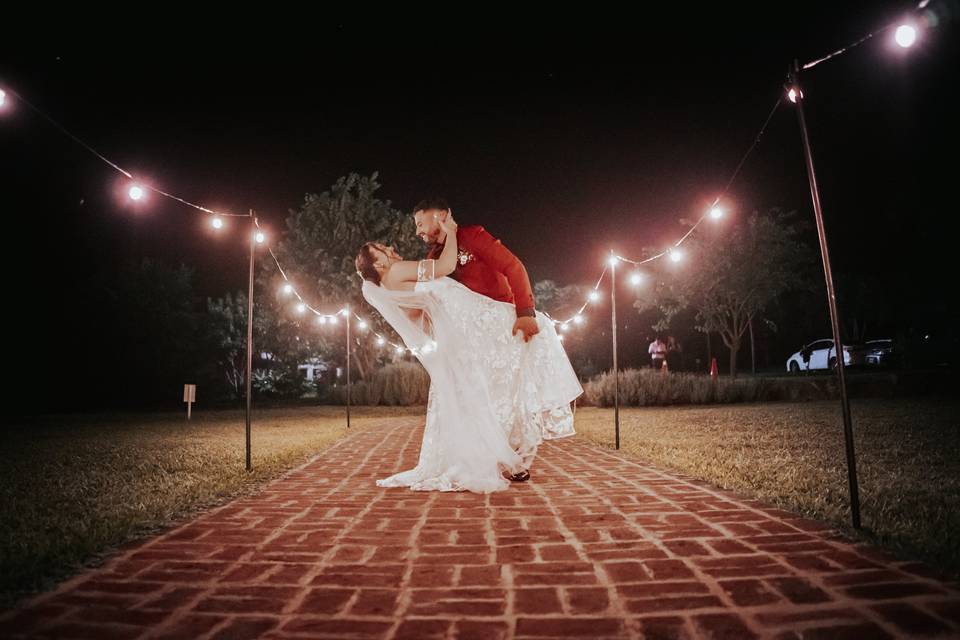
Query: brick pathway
(595,546)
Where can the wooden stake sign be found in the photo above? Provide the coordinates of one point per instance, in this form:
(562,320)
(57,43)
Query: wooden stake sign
(189,396)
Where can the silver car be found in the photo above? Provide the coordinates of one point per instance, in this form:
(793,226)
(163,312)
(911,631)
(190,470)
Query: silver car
(881,353)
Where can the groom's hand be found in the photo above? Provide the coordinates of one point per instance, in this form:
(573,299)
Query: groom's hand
(528,326)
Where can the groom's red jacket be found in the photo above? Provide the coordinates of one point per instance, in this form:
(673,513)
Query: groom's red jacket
(486,266)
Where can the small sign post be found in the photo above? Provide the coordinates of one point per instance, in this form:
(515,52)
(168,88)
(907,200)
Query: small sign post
(189,396)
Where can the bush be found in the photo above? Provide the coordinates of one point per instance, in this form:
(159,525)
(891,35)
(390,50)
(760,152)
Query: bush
(400,384)
(280,384)
(646,387)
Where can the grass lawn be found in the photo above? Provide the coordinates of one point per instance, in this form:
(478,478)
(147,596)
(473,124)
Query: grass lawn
(72,488)
(792,455)
(76,487)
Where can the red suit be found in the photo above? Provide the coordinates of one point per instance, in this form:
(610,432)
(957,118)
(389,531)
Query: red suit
(486,266)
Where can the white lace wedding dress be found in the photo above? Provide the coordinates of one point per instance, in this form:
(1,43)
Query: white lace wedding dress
(493,398)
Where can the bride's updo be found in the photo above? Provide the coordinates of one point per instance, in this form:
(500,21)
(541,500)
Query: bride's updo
(365,264)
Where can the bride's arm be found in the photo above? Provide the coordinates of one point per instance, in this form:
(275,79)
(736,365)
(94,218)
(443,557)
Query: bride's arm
(420,270)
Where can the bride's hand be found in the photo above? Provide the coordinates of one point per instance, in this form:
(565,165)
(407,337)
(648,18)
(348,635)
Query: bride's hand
(448,224)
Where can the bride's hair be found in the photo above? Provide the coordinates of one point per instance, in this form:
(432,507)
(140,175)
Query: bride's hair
(364,264)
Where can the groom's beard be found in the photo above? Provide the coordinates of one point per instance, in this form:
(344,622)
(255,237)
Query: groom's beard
(436,243)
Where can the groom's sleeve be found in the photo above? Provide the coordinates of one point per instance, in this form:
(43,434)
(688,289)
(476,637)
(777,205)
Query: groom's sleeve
(499,258)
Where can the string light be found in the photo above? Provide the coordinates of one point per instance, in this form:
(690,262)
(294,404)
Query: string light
(137,192)
(331,318)
(852,45)
(674,253)
(905,36)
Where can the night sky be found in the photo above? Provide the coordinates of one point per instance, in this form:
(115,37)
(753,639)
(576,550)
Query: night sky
(566,136)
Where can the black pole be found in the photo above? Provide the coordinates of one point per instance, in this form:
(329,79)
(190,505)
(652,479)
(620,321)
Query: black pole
(616,370)
(831,302)
(348,366)
(253,248)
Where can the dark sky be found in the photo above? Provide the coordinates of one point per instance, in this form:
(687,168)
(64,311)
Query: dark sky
(565,136)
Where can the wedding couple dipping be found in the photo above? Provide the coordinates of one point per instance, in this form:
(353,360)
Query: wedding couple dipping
(500,380)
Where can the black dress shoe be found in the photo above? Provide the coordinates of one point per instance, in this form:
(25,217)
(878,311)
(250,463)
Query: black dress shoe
(523,476)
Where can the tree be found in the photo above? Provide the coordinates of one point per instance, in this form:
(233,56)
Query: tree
(226,322)
(318,250)
(733,275)
(226,331)
(560,303)
(556,300)
(148,339)
(866,305)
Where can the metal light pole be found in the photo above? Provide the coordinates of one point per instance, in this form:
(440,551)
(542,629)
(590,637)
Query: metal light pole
(794,79)
(253,248)
(348,366)
(616,370)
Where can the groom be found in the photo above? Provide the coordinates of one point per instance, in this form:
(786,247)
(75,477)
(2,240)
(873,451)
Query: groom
(485,266)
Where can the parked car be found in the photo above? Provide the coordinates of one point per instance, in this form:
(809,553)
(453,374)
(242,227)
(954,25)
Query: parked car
(882,353)
(821,355)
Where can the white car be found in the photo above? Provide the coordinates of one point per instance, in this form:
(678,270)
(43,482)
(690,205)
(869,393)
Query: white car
(821,355)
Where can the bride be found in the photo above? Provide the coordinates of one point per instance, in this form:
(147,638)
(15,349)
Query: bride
(493,397)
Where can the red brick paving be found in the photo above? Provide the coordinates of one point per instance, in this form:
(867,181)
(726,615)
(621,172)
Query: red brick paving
(595,546)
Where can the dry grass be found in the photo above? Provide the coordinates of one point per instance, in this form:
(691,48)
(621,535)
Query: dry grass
(75,487)
(792,455)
